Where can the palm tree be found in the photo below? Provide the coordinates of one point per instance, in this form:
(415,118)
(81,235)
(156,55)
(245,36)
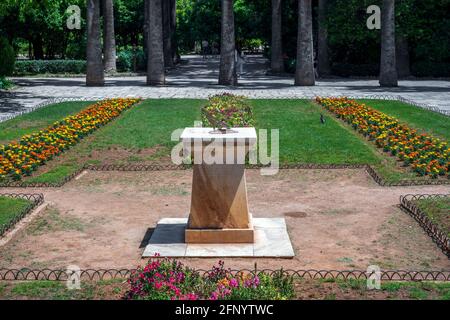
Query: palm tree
(167,33)
(109,41)
(388,68)
(276,61)
(145,29)
(173,29)
(155,65)
(94,68)
(323,60)
(227,73)
(304,74)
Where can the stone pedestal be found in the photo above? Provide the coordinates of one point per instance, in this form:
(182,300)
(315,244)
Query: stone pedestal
(219,209)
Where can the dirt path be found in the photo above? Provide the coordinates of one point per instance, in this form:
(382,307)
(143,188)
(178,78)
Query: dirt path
(337,219)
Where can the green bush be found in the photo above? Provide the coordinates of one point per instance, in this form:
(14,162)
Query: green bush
(125,60)
(228,109)
(7,57)
(32,67)
(5,83)
(431,69)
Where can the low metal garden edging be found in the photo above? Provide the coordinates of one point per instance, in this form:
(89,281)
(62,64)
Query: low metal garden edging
(407,204)
(25,274)
(36,200)
(173,167)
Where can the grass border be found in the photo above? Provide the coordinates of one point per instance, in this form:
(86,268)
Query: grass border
(36,200)
(25,274)
(437,235)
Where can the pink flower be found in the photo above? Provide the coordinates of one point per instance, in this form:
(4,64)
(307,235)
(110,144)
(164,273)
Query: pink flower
(214,296)
(234,283)
(158,285)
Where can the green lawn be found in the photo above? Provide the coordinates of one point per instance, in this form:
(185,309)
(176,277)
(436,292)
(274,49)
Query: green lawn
(302,137)
(57,290)
(438,210)
(39,119)
(142,134)
(317,289)
(10,208)
(433,123)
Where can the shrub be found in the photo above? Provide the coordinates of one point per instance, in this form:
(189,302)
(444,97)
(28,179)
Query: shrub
(166,279)
(5,83)
(32,67)
(125,60)
(8,58)
(228,109)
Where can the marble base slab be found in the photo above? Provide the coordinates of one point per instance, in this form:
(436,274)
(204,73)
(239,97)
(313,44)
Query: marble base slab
(271,241)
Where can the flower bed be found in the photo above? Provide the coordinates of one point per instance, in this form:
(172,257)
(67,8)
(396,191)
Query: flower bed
(426,155)
(229,109)
(21,158)
(164,279)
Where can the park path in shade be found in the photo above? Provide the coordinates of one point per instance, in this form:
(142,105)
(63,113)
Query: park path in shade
(197,78)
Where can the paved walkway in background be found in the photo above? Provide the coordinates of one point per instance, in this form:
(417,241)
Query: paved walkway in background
(197,78)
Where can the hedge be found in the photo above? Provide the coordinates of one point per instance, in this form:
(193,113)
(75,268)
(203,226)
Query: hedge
(32,67)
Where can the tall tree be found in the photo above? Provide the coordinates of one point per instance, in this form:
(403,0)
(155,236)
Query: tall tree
(323,59)
(276,60)
(94,68)
(167,33)
(173,29)
(109,41)
(388,67)
(304,74)
(155,64)
(227,72)
(146,27)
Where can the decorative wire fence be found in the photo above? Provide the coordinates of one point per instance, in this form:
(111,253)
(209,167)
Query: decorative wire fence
(167,167)
(108,274)
(409,204)
(34,199)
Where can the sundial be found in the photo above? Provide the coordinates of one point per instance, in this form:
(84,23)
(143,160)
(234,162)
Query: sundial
(219,126)
(219,208)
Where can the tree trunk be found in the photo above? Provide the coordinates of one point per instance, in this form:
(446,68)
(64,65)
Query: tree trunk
(146,27)
(388,69)
(276,62)
(167,31)
(403,67)
(323,60)
(155,63)
(94,68)
(38,48)
(173,29)
(304,74)
(109,41)
(227,73)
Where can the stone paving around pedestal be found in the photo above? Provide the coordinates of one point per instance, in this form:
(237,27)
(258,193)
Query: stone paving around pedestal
(271,240)
(197,78)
